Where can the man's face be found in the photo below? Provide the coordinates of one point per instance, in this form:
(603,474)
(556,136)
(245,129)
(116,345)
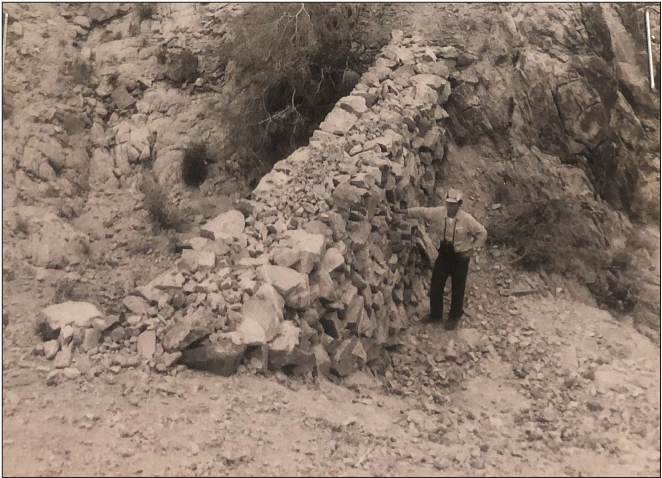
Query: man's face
(452,208)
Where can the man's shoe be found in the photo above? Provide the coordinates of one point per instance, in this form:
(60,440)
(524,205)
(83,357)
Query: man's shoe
(451,324)
(429,319)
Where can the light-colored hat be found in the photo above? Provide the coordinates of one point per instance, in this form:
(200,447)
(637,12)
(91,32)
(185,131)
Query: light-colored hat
(453,195)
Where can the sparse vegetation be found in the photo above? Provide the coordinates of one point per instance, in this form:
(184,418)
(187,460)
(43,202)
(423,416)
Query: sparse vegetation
(145,11)
(290,61)
(79,70)
(70,289)
(161,212)
(563,236)
(195,164)
(22,226)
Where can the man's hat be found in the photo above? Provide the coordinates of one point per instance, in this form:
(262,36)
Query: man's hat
(453,195)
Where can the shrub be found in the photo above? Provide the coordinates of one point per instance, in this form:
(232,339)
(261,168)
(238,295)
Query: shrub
(290,63)
(195,165)
(79,70)
(22,226)
(65,291)
(563,235)
(161,212)
(145,11)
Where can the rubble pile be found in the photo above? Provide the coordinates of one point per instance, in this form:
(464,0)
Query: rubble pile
(316,271)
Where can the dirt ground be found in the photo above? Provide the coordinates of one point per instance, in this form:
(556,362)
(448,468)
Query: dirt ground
(538,385)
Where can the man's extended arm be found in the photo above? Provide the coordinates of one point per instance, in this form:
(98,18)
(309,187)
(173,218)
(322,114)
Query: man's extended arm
(427,213)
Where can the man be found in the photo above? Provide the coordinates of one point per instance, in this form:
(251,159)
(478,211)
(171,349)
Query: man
(461,234)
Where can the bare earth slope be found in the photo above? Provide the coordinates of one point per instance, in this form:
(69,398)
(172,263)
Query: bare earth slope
(538,385)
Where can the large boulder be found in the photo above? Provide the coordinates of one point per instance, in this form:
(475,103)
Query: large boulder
(193,327)
(228,225)
(221,357)
(262,315)
(78,314)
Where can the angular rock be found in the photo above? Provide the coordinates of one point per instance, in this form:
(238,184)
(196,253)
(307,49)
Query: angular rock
(63,357)
(229,225)
(290,284)
(79,314)
(285,256)
(303,241)
(66,334)
(91,339)
(282,347)
(136,305)
(71,373)
(424,96)
(338,121)
(332,260)
(153,295)
(322,285)
(358,233)
(199,243)
(82,21)
(348,357)
(169,359)
(250,332)
(353,104)
(122,98)
(272,181)
(192,327)
(268,293)
(348,197)
(51,348)
(265,313)
(332,325)
(168,281)
(146,344)
(100,12)
(318,227)
(433,81)
(222,357)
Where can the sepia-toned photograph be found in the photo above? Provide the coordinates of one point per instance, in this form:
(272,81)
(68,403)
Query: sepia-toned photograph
(331,239)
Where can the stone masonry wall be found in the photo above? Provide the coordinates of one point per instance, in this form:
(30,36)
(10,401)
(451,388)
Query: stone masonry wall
(315,271)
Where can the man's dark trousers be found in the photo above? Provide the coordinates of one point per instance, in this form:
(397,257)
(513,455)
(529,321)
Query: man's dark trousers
(455,265)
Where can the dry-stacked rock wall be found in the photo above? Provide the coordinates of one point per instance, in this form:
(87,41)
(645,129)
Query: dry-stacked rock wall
(315,271)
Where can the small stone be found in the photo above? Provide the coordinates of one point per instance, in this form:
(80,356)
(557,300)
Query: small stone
(122,98)
(132,361)
(91,339)
(146,344)
(66,334)
(51,349)
(82,22)
(63,357)
(99,324)
(71,373)
(170,358)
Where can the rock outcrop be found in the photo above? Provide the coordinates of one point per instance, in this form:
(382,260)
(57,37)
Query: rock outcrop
(570,83)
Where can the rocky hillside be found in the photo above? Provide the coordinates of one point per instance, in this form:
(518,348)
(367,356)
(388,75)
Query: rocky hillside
(318,270)
(308,288)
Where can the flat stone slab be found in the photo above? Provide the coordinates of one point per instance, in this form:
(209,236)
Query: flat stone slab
(79,314)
